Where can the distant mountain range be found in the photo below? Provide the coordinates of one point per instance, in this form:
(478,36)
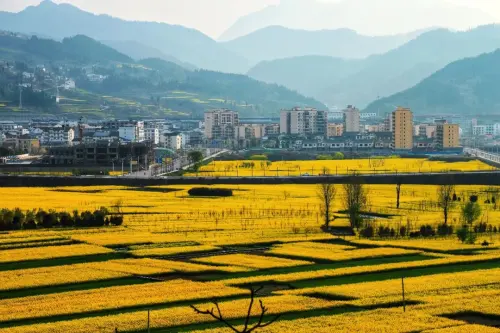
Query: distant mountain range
(138,51)
(364,16)
(64,20)
(277,42)
(338,82)
(172,86)
(468,85)
(77,49)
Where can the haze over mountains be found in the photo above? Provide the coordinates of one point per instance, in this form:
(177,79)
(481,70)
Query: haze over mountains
(337,67)
(466,86)
(59,21)
(368,17)
(339,82)
(278,42)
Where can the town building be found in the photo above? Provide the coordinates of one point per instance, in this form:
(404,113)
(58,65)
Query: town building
(132,132)
(351,119)
(335,130)
(57,136)
(220,124)
(402,124)
(304,121)
(447,136)
(152,135)
(172,141)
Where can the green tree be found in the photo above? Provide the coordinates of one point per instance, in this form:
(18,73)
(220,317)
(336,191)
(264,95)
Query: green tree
(355,200)
(445,199)
(326,194)
(195,157)
(471,211)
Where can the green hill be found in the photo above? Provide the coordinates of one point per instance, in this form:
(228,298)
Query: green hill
(465,86)
(150,86)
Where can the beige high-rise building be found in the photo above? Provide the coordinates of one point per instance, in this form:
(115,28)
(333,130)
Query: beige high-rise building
(304,121)
(402,125)
(220,124)
(351,119)
(448,136)
(335,130)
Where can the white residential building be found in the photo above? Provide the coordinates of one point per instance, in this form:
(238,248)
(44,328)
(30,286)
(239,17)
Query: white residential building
(304,121)
(132,133)
(152,135)
(220,124)
(173,141)
(69,85)
(480,130)
(57,136)
(351,119)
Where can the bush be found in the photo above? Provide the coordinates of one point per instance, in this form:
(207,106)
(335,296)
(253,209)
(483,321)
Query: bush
(462,234)
(471,238)
(402,231)
(384,232)
(116,220)
(367,232)
(473,198)
(258,158)
(210,192)
(427,231)
(445,229)
(338,156)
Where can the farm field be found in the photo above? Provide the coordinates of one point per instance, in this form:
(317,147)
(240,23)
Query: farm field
(335,167)
(174,251)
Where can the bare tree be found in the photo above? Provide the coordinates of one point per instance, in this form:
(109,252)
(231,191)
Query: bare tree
(326,195)
(247,327)
(445,199)
(398,194)
(355,200)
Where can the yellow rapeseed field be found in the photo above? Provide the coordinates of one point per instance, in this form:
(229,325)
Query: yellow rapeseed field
(252,261)
(174,250)
(339,167)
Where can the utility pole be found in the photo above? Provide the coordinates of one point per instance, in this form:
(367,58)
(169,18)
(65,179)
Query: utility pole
(20,97)
(403,289)
(123,173)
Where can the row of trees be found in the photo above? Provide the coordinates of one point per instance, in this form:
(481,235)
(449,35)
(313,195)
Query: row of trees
(16,219)
(355,202)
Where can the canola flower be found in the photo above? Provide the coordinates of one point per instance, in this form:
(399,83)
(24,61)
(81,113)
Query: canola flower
(111,298)
(51,252)
(253,261)
(176,316)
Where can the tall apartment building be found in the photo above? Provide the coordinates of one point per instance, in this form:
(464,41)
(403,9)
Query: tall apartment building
(220,124)
(304,121)
(351,119)
(250,131)
(388,123)
(402,124)
(447,135)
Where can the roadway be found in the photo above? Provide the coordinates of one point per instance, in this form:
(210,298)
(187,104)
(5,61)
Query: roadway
(455,178)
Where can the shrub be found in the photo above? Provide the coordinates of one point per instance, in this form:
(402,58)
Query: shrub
(427,231)
(471,238)
(462,233)
(210,192)
(384,232)
(116,220)
(258,158)
(473,198)
(444,230)
(367,232)
(338,156)
(402,231)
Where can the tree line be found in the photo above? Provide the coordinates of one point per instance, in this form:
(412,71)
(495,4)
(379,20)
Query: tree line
(17,219)
(355,202)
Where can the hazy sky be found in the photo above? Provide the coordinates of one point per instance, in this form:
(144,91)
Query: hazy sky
(209,16)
